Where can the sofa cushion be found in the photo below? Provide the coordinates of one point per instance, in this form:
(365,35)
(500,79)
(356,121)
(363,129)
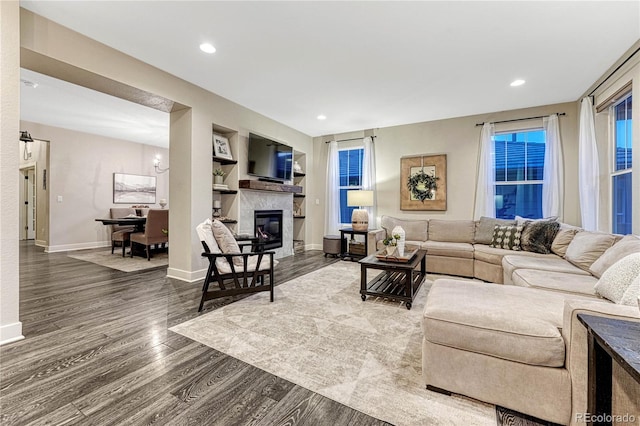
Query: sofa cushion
(452,231)
(552,263)
(507,237)
(631,296)
(627,245)
(616,280)
(587,246)
(563,239)
(494,255)
(414,230)
(555,281)
(485,226)
(513,323)
(537,236)
(440,248)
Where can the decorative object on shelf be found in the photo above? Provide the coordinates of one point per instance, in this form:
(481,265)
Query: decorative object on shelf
(220,187)
(297,209)
(399,232)
(297,168)
(129,189)
(156,165)
(163,203)
(218,174)
(360,217)
(221,147)
(423,182)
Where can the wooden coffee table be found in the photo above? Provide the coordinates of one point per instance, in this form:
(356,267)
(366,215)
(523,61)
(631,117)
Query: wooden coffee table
(399,281)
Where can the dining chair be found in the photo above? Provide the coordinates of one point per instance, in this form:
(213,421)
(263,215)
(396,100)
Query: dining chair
(155,231)
(120,234)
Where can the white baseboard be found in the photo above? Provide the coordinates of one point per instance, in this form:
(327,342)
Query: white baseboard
(313,247)
(188,276)
(11,333)
(77,246)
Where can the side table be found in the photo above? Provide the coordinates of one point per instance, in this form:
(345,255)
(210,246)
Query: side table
(344,244)
(610,340)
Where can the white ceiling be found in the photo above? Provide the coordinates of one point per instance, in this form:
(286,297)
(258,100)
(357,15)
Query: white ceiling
(367,64)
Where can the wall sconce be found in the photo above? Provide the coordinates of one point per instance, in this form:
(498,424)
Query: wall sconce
(156,165)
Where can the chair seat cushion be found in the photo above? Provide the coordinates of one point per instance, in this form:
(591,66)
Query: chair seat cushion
(265,264)
(121,235)
(440,248)
(513,323)
(555,281)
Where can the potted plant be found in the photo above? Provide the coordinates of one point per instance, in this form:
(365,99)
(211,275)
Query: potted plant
(391,243)
(218,174)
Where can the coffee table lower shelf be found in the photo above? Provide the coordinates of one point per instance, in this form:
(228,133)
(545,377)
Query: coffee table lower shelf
(397,281)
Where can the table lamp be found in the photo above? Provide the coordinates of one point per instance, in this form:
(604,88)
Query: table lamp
(360,217)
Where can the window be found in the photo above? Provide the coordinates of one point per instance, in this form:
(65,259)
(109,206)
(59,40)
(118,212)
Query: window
(621,175)
(519,164)
(350,161)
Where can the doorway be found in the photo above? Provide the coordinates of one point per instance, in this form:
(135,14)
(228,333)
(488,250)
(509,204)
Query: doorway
(28,203)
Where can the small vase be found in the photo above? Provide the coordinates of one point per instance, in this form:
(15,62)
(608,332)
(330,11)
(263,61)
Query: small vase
(217,180)
(399,231)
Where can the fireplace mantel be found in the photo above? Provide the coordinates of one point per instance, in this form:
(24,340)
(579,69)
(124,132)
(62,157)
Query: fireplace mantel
(259,185)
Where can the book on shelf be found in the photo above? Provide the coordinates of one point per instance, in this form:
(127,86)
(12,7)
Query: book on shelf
(220,187)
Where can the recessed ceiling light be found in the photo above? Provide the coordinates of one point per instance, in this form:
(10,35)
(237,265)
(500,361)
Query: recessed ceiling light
(207,48)
(516,83)
(322,117)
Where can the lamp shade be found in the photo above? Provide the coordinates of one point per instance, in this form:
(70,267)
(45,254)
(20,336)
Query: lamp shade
(359,198)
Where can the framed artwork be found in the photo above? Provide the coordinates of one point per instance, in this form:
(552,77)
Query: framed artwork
(423,182)
(131,189)
(221,148)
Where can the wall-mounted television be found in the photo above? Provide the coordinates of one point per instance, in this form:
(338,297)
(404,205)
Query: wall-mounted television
(269,159)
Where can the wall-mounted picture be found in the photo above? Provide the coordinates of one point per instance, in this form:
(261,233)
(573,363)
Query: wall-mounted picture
(221,148)
(423,182)
(130,189)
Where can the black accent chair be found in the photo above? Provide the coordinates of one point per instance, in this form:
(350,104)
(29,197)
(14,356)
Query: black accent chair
(232,279)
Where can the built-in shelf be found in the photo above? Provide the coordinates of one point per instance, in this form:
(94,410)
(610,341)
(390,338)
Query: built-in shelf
(298,195)
(299,174)
(299,217)
(225,191)
(259,185)
(224,160)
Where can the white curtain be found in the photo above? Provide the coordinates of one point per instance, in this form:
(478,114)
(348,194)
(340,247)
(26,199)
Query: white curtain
(369,177)
(553,182)
(485,184)
(332,211)
(588,169)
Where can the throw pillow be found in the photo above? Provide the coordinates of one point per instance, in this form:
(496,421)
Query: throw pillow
(226,241)
(629,244)
(563,239)
(507,237)
(537,236)
(485,226)
(522,220)
(630,297)
(586,247)
(205,233)
(615,281)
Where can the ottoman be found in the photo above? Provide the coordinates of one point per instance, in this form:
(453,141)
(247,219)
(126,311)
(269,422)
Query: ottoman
(331,245)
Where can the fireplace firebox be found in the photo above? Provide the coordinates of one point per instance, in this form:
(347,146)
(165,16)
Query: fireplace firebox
(268,227)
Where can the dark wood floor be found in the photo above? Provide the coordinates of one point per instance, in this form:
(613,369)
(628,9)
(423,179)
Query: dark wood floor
(98,351)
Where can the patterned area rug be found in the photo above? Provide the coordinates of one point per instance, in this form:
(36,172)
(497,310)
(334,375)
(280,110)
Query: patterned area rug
(116,261)
(320,335)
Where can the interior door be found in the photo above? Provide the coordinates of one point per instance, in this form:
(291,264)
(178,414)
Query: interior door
(29,203)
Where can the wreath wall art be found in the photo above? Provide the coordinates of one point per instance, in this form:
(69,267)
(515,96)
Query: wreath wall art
(423,182)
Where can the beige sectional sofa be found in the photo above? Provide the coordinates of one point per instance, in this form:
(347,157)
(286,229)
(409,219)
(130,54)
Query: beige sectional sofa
(518,345)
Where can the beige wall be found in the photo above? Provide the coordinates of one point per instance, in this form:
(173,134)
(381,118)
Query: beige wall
(10,325)
(81,172)
(458,138)
(53,50)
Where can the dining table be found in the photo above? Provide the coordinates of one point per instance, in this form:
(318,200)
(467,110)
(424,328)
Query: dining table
(137,222)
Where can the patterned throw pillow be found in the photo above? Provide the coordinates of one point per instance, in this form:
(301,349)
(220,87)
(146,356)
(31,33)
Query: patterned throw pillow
(507,237)
(537,236)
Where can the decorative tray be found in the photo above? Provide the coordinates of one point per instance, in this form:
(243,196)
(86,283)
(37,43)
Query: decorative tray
(408,255)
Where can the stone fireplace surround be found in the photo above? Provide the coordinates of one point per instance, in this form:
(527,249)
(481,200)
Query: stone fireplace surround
(250,201)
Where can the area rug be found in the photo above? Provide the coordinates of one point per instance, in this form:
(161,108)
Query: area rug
(320,335)
(116,261)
